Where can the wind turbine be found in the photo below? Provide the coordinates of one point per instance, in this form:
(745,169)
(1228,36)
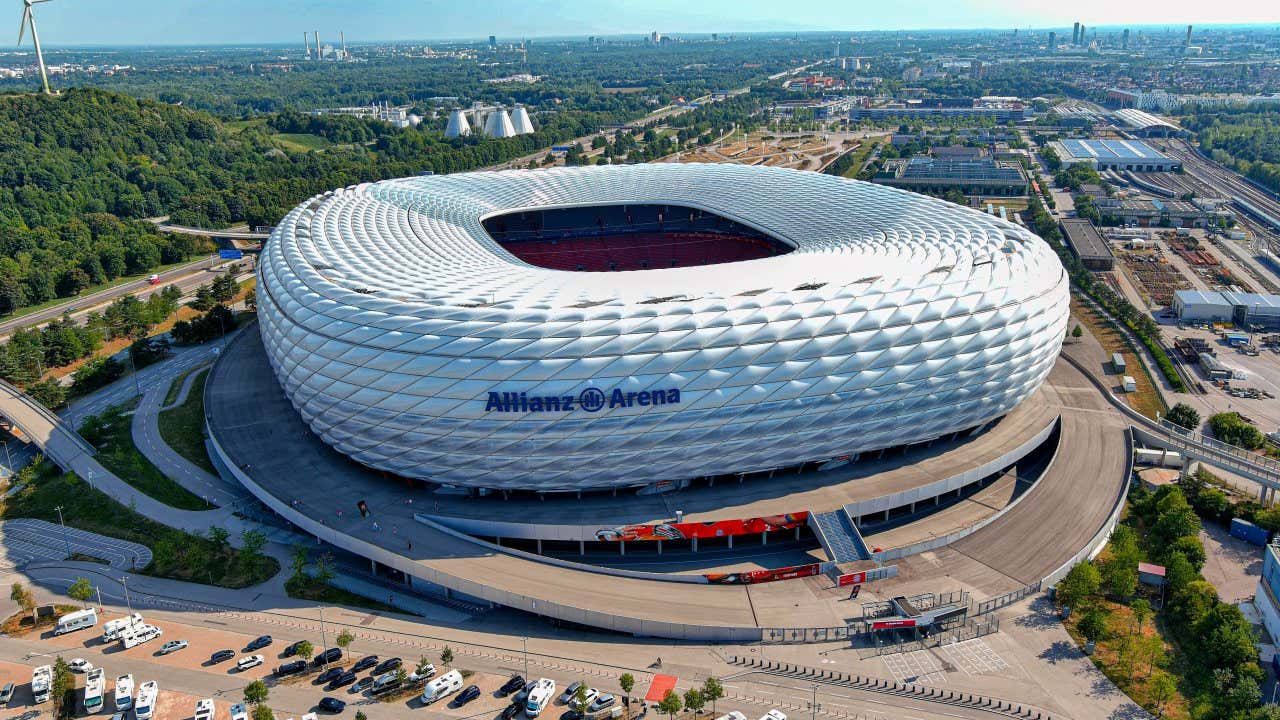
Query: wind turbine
(29,18)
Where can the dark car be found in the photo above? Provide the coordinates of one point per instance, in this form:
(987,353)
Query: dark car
(291,668)
(345,678)
(510,711)
(469,693)
(222,656)
(332,704)
(515,683)
(571,714)
(328,675)
(292,649)
(388,665)
(327,656)
(258,643)
(362,684)
(365,663)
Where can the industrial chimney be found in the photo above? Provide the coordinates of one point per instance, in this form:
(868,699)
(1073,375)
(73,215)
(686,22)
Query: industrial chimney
(343,34)
(306,42)
(521,122)
(458,125)
(498,125)
(319,56)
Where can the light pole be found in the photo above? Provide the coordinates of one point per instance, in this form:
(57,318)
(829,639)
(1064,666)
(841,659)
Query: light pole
(124,583)
(324,644)
(814,707)
(65,541)
(8,457)
(524,643)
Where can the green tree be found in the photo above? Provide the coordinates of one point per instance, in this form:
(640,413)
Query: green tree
(1175,519)
(22,597)
(670,704)
(219,537)
(694,700)
(580,699)
(298,559)
(204,299)
(1161,690)
(402,675)
(1178,574)
(1142,612)
(80,590)
(627,682)
(262,712)
(446,656)
(1093,625)
(423,664)
(712,690)
(1184,415)
(256,693)
(251,544)
(1189,547)
(1227,638)
(1077,332)
(361,716)
(1081,582)
(344,640)
(305,650)
(62,690)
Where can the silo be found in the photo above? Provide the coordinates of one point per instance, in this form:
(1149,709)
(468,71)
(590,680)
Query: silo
(458,125)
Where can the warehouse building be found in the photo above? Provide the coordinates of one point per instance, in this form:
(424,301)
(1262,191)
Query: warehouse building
(1132,155)
(984,178)
(1163,213)
(1251,311)
(1198,306)
(1139,122)
(1087,245)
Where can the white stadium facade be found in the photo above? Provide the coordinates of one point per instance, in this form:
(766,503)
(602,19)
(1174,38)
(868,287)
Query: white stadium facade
(611,326)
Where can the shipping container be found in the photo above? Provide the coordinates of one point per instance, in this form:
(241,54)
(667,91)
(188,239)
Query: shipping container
(1249,532)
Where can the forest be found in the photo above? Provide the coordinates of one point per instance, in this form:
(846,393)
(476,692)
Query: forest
(1246,138)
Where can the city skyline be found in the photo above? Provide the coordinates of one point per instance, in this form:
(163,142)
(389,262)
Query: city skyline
(186,22)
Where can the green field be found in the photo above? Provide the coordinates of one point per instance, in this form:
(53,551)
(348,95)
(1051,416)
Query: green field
(182,427)
(112,434)
(301,142)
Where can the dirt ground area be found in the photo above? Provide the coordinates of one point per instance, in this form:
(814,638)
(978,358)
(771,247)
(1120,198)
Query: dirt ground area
(1146,400)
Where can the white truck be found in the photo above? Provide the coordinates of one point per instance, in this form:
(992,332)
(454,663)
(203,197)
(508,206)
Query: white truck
(112,629)
(41,680)
(540,697)
(78,620)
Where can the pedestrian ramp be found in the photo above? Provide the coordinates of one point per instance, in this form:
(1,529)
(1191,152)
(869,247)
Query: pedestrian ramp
(840,537)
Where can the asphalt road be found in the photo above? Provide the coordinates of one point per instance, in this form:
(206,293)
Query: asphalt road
(26,540)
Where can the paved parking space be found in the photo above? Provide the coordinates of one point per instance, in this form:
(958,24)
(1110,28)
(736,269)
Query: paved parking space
(919,667)
(26,540)
(975,657)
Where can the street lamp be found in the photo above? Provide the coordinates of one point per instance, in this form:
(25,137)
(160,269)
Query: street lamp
(65,541)
(124,583)
(814,706)
(524,643)
(324,644)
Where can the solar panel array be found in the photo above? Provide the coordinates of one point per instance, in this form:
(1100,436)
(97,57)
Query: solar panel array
(390,317)
(1112,150)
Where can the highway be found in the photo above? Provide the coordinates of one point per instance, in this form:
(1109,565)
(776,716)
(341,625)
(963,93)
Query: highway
(185,276)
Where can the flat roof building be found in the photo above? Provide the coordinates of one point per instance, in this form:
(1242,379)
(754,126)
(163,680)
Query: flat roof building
(1250,311)
(1169,213)
(1140,122)
(1114,155)
(994,178)
(1087,245)
(1200,306)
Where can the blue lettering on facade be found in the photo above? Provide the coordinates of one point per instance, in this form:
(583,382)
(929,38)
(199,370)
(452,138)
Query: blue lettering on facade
(591,400)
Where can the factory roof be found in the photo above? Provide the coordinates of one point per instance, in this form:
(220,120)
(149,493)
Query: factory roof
(927,168)
(1084,237)
(1252,299)
(1200,297)
(1111,150)
(1140,119)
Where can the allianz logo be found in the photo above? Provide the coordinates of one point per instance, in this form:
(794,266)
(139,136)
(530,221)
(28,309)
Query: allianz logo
(591,400)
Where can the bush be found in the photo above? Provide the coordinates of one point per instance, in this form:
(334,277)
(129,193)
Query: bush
(1184,415)
(1230,428)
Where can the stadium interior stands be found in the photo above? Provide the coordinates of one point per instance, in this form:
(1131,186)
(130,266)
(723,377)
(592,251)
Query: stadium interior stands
(628,237)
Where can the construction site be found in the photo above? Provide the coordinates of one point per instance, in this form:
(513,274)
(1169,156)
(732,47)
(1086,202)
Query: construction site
(803,152)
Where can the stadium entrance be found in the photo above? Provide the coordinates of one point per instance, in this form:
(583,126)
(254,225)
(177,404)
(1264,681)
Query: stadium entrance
(609,238)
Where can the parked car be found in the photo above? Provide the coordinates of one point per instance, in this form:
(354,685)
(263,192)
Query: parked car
(571,714)
(328,675)
(601,702)
(361,685)
(469,693)
(332,704)
(510,711)
(249,661)
(388,665)
(325,657)
(6,693)
(239,712)
(258,643)
(515,683)
(80,665)
(365,663)
(421,675)
(570,691)
(222,656)
(291,668)
(173,646)
(292,648)
(345,678)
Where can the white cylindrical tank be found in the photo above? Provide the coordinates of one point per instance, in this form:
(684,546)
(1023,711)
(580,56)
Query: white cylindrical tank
(458,126)
(521,121)
(498,125)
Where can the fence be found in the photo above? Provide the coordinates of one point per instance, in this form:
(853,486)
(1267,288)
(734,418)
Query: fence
(970,631)
(996,603)
(786,636)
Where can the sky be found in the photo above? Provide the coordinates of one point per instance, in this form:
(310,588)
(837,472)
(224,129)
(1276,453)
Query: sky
(215,22)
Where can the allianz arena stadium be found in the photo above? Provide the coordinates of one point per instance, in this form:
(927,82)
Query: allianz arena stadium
(612,326)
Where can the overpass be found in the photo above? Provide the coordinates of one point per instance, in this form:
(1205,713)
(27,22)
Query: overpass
(204,232)
(1193,444)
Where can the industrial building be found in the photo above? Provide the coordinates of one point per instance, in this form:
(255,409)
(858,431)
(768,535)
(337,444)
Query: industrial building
(1251,311)
(1163,213)
(1087,245)
(1114,155)
(984,178)
(1002,110)
(1139,122)
(1267,597)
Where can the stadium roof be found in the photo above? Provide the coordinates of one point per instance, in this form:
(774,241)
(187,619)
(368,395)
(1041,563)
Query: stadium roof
(1111,150)
(391,245)
(1141,120)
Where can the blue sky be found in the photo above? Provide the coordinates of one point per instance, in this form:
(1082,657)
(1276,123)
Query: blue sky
(117,22)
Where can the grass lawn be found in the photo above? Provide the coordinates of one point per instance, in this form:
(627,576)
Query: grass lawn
(1146,400)
(22,623)
(178,555)
(175,387)
(182,427)
(301,142)
(861,154)
(312,589)
(111,433)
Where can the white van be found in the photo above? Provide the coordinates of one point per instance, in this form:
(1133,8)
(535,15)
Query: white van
(540,697)
(145,705)
(77,620)
(95,686)
(41,680)
(441,687)
(112,629)
(732,715)
(124,692)
(773,715)
(139,634)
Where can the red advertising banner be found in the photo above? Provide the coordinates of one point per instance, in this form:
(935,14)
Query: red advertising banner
(851,579)
(712,529)
(754,577)
(891,624)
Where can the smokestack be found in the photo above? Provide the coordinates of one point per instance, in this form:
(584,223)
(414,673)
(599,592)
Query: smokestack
(1124,42)
(343,34)
(318,55)
(1075,34)
(1188,44)
(306,42)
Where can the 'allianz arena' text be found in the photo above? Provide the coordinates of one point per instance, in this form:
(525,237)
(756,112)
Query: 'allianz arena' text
(407,330)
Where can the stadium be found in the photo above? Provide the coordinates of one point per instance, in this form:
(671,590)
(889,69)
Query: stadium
(594,328)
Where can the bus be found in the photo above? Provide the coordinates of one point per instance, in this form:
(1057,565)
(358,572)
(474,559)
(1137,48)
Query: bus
(94,686)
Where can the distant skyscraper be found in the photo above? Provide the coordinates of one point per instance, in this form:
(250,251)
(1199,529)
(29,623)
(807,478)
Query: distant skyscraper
(1188,43)
(1083,34)
(1124,41)
(1075,34)
(493,42)
(1053,40)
